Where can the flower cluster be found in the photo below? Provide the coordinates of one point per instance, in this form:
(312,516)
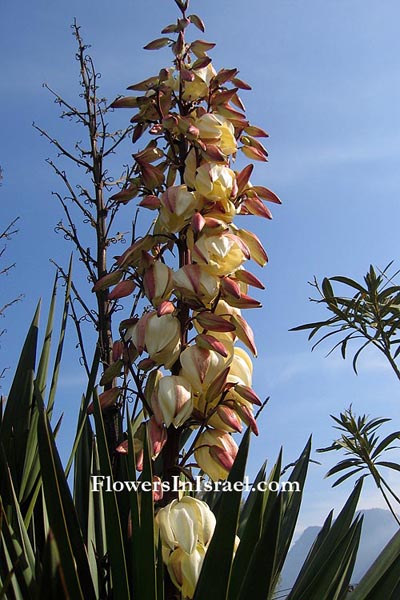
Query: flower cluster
(189,352)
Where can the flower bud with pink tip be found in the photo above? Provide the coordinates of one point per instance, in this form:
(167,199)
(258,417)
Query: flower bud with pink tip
(215,453)
(157,282)
(195,284)
(172,400)
(226,419)
(177,206)
(201,366)
(160,336)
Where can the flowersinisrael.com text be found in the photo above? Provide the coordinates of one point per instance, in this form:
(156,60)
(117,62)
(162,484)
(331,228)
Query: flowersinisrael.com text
(105,483)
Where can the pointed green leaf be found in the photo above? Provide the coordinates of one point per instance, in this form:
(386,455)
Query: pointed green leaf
(135,540)
(82,414)
(331,579)
(115,541)
(17,413)
(385,443)
(12,551)
(148,561)
(250,501)
(62,516)
(220,550)
(319,560)
(382,579)
(349,282)
(291,502)
(82,473)
(96,526)
(347,475)
(52,581)
(389,464)
(250,531)
(263,558)
(60,345)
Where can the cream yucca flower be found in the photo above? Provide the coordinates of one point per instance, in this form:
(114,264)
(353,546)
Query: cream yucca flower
(177,206)
(224,211)
(157,282)
(184,569)
(163,339)
(198,88)
(241,367)
(215,129)
(215,182)
(196,284)
(185,522)
(186,528)
(160,336)
(215,453)
(201,366)
(172,400)
(220,254)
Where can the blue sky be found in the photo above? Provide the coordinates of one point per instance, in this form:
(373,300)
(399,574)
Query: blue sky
(326,87)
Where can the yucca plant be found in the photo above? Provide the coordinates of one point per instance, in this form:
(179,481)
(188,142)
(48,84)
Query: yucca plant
(48,551)
(117,532)
(25,531)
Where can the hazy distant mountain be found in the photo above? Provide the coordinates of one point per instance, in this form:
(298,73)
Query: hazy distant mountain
(378,527)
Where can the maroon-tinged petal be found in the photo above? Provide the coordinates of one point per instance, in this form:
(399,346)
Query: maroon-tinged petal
(209,342)
(243,178)
(244,301)
(222,456)
(229,417)
(117,350)
(249,278)
(210,321)
(151,202)
(123,289)
(165,308)
(239,83)
(198,222)
(247,416)
(256,131)
(248,394)
(253,153)
(125,102)
(197,21)
(244,331)
(256,207)
(217,386)
(107,280)
(266,194)
(157,44)
(256,249)
(107,400)
(230,287)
